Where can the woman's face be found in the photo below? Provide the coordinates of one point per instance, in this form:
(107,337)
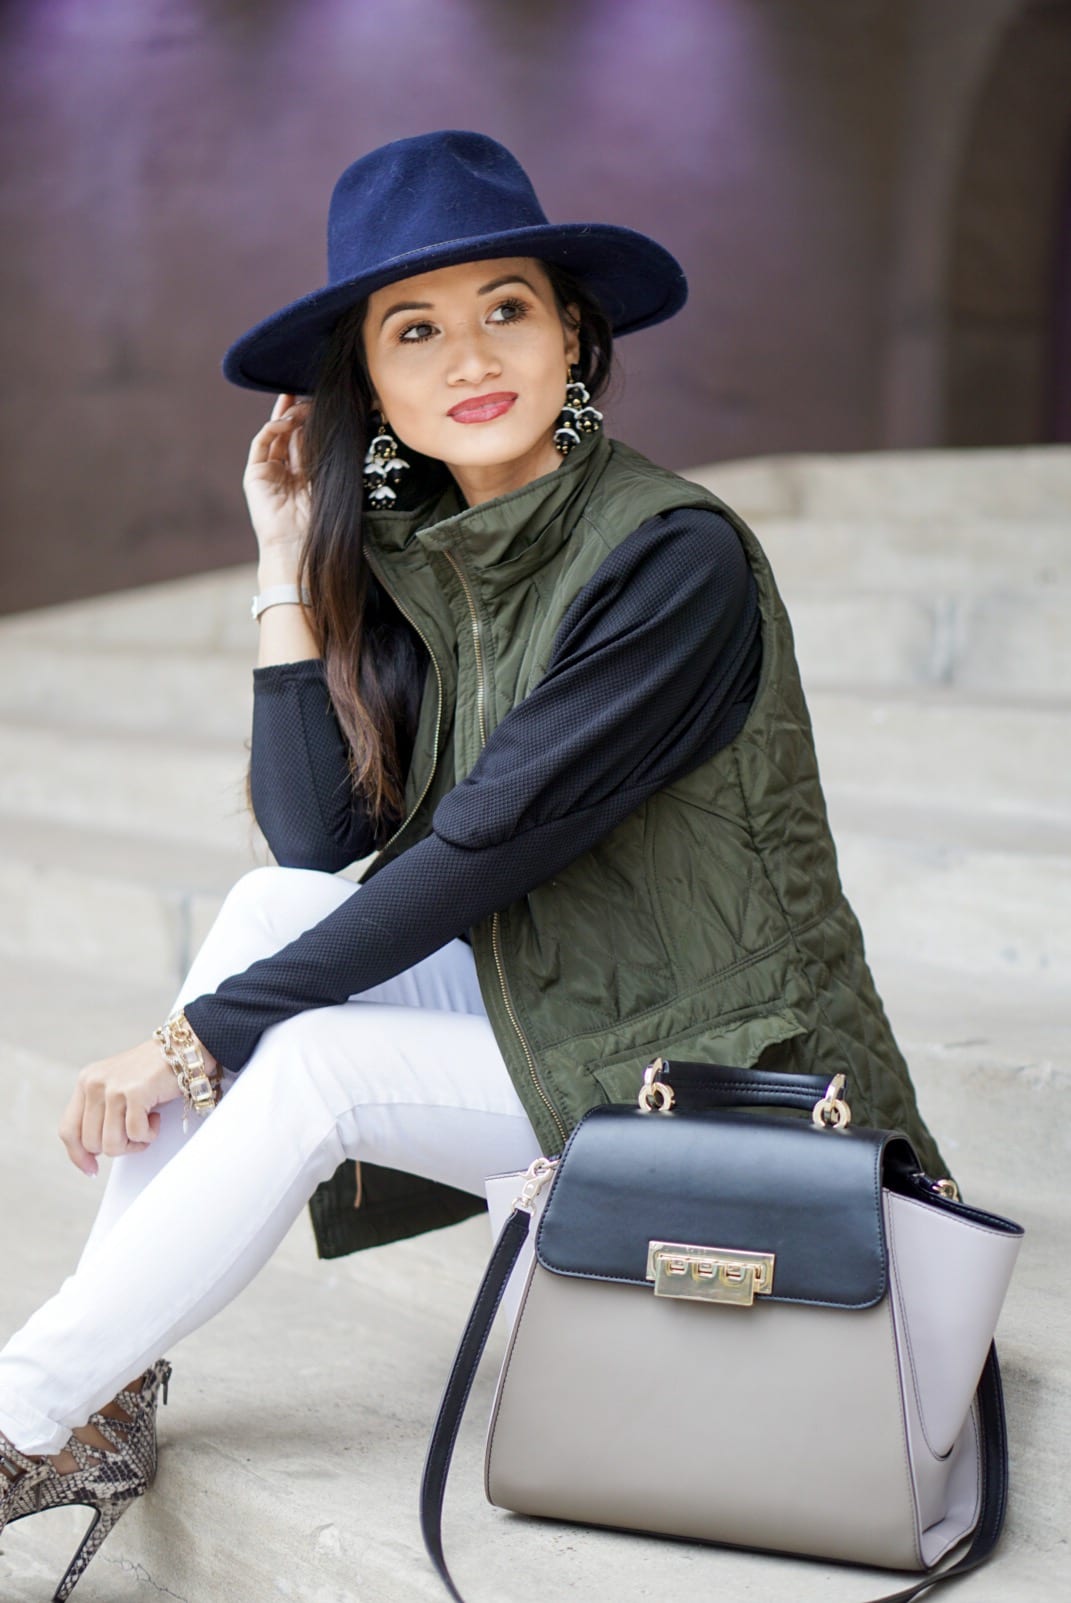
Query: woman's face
(442,340)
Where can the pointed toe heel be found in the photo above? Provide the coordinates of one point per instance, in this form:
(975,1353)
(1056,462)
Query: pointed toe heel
(105,1482)
(105,1519)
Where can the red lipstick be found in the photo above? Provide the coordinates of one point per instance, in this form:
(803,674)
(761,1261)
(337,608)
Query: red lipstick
(481,408)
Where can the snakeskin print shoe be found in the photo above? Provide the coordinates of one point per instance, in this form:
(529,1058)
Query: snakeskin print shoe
(106,1482)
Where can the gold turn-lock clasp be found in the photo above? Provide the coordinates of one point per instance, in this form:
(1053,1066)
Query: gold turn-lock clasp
(832,1112)
(656,1096)
(711,1274)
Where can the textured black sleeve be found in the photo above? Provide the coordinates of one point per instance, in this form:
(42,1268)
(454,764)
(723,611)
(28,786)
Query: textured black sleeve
(298,772)
(654,667)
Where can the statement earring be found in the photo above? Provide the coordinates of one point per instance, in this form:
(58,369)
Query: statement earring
(384,468)
(577,417)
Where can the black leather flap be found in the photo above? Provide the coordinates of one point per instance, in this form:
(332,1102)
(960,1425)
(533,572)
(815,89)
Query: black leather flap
(753,1183)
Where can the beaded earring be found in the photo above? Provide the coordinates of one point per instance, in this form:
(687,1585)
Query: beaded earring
(577,417)
(383,466)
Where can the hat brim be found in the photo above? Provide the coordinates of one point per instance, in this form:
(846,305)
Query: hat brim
(636,280)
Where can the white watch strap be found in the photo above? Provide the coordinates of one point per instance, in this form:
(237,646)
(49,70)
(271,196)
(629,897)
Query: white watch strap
(278,595)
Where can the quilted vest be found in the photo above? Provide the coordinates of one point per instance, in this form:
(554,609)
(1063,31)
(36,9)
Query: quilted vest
(709,925)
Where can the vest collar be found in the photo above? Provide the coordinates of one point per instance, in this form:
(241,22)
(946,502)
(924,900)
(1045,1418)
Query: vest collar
(504,528)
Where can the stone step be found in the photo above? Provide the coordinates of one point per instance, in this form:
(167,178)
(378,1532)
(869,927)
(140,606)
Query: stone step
(987,915)
(207,612)
(1000,646)
(985,898)
(946,843)
(198,695)
(109,903)
(928,746)
(948,555)
(320,1474)
(150,786)
(1021,482)
(945,555)
(935,748)
(931,826)
(57,1014)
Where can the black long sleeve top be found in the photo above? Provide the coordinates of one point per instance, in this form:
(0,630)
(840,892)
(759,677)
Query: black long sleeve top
(653,668)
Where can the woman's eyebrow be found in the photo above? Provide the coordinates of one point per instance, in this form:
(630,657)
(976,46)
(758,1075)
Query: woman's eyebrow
(485,289)
(507,278)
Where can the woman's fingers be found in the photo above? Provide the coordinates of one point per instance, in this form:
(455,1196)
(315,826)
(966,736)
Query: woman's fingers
(92,1131)
(295,443)
(70,1132)
(270,438)
(272,441)
(113,1136)
(138,1127)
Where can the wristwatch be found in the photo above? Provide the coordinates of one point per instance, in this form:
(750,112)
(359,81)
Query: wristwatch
(278,595)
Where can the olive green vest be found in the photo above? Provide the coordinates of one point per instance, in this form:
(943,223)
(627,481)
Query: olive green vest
(709,925)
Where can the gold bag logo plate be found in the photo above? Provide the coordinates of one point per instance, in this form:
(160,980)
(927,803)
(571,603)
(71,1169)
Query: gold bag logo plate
(709,1274)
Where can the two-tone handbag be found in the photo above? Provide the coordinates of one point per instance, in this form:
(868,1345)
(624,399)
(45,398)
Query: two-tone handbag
(825,1310)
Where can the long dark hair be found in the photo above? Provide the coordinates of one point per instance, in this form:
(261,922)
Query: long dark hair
(372,656)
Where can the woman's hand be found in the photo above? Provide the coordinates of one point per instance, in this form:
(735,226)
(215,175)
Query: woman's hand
(111,1108)
(277,490)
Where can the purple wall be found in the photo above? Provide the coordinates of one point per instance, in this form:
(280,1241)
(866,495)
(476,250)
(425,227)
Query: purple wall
(168,168)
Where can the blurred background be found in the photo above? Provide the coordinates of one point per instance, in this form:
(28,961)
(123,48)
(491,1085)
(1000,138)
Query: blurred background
(871,199)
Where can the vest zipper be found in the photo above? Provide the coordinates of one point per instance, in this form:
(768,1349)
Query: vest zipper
(507,999)
(496,947)
(477,646)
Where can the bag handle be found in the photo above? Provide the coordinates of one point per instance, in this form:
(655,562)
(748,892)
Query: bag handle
(715,1085)
(994,1445)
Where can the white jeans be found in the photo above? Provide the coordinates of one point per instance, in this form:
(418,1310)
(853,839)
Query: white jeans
(406,1074)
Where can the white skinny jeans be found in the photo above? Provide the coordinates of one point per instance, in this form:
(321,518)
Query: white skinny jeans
(406,1074)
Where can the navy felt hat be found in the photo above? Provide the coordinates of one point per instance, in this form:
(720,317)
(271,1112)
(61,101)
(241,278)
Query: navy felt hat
(430,201)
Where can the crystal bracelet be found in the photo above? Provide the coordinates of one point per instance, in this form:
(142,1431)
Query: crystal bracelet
(182,1050)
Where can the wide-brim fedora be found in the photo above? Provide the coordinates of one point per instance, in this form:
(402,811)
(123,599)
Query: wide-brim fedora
(429,201)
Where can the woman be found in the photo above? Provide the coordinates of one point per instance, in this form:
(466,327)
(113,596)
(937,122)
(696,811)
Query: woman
(552,686)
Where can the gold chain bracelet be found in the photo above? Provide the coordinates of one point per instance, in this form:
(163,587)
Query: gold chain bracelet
(182,1050)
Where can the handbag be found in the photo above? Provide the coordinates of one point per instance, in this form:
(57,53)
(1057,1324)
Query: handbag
(743,1326)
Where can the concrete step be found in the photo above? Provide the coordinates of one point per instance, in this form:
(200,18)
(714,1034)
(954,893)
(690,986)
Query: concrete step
(937,749)
(57,1014)
(964,889)
(150,786)
(205,695)
(930,746)
(987,915)
(951,819)
(1020,482)
(109,903)
(320,1473)
(208,612)
(947,555)
(1004,646)
(964,906)
(1001,645)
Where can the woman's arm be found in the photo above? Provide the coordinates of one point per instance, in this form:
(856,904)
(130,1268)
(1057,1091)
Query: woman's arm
(299,777)
(299,771)
(653,669)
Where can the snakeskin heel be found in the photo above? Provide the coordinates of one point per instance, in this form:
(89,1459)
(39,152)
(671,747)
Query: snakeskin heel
(106,1482)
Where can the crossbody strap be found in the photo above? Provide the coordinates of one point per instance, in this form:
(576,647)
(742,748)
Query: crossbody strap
(470,1349)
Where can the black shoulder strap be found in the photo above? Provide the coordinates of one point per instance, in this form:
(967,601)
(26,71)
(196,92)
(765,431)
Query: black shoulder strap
(474,1339)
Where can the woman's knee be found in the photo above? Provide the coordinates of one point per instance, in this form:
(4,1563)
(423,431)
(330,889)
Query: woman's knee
(291,1078)
(305,894)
